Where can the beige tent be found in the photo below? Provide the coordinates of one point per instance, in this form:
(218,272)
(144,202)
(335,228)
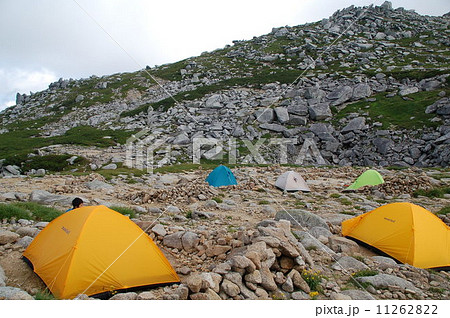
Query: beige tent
(291,181)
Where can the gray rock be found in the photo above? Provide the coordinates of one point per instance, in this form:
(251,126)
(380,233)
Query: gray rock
(297,120)
(282,114)
(299,295)
(13,170)
(79,98)
(320,111)
(24,242)
(341,94)
(384,262)
(174,240)
(301,218)
(111,166)
(408,90)
(358,123)
(230,288)
(348,263)
(98,185)
(383,145)
(385,280)
(13,293)
(47,198)
(181,139)
(361,91)
(190,241)
(173,209)
(2,277)
(314,92)
(214,101)
(265,116)
(154,210)
(27,231)
(125,296)
(387,5)
(356,294)
(159,229)
(272,127)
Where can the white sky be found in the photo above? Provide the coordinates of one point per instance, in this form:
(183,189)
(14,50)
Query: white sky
(41,41)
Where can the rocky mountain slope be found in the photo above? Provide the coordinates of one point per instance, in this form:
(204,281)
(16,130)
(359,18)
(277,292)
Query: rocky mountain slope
(367,86)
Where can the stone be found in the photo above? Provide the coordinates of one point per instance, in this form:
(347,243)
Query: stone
(288,285)
(190,241)
(222,268)
(385,280)
(8,237)
(254,277)
(230,288)
(267,280)
(173,209)
(242,262)
(384,262)
(320,111)
(214,101)
(25,241)
(358,123)
(111,166)
(383,145)
(299,295)
(298,281)
(301,218)
(360,91)
(2,277)
(408,90)
(159,229)
(194,282)
(147,295)
(181,139)
(342,244)
(387,5)
(348,263)
(217,250)
(282,114)
(98,185)
(27,231)
(174,240)
(46,198)
(125,296)
(357,294)
(13,293)
(339,296)
(13,170)
(265,116)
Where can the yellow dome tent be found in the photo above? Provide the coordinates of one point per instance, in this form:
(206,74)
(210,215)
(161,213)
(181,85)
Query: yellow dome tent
(404,231)
(94,249)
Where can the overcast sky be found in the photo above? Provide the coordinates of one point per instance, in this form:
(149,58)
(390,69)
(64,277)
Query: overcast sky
(43,40)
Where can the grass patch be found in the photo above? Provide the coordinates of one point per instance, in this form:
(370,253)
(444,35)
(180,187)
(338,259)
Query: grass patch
(335,195)
(124,210)
(53,163)
(263,202)
(345,201)
(365,272)
(217,199)
(444,210)
(44,295)
(28,211)
(432,193)
(395,111)
(348,212)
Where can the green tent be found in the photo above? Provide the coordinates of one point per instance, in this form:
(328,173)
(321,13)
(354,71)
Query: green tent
(369,177)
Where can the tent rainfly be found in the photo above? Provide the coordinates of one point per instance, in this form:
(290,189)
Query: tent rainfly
(93,250)
(291,181)
(405,231)
(221,176)
(369,177)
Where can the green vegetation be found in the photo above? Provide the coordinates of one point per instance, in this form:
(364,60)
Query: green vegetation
(364,272)
(44,295)
(29,211)
(263,202)
(217,199)
(335,195)
(313,279)
(395,111)
(348,212)
(124,210)
(432,193)
(345,201)
(22,142)
(189,214)
(444,210)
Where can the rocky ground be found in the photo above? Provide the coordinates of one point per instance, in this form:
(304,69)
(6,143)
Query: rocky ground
(239,242)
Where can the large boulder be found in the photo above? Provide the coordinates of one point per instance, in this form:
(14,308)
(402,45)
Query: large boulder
(2,277)
(47,198)
(361,90)
(282,114)
(98,185)
(265,115)
(358,123)
(301,218)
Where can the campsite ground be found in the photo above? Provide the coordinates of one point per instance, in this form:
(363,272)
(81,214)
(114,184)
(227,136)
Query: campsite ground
(183,202)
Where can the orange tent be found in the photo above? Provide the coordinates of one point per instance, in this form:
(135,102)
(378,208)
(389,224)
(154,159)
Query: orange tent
(404,231)
(94,249)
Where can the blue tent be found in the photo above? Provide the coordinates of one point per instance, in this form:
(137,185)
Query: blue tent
(221,176)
